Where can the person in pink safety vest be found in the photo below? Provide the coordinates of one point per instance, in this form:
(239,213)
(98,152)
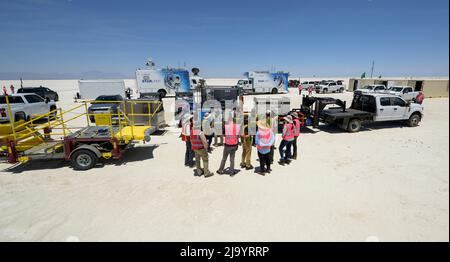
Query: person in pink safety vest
(264,140)
(300,88)
(287,140)
(232,133)
(420,97)
(297,125)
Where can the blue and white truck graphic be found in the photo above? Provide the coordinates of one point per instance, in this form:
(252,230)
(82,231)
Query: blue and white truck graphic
(264,82)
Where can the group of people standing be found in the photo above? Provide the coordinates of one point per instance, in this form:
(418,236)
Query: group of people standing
(199,143)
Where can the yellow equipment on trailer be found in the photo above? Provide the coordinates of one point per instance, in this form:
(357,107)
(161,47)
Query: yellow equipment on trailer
(51,136)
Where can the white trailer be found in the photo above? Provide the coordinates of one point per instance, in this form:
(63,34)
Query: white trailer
(91,89)
(264,82)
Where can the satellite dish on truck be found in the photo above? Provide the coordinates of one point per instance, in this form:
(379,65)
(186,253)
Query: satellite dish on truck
(195,71)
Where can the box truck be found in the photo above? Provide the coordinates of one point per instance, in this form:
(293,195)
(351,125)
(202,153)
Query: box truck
(264,82)
(166,81)
(91,89)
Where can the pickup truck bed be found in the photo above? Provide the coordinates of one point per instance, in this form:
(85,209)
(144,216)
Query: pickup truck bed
(338,113)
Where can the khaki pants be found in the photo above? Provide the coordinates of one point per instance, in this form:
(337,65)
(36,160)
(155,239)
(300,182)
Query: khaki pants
(246,152)
(202,154)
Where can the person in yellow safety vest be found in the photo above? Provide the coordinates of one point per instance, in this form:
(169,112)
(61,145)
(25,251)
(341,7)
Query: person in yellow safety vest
(200,147)
(264,140)
(286,142)
(246,141)
(297,125)
(232,133)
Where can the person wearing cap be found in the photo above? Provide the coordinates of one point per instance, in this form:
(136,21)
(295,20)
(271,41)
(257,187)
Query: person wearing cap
(264,139)
(297,125)
(185,133)
(246,141)
(286,142)
(232,132)
(200,147)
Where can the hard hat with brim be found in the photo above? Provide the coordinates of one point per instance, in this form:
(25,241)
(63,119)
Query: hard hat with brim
(263,124)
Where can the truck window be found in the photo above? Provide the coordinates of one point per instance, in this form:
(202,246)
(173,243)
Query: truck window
(407,90)
(379,88)
(12,100)
(385,101)
(33,99)
(399,102)
(332,84)
(250,82)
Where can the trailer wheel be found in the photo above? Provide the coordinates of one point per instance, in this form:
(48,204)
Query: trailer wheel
(414,120)
(354,125)
(83,159)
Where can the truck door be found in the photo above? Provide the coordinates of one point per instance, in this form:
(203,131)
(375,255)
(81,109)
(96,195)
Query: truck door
(36,105)
(400,108)
(385,109)
(408,93)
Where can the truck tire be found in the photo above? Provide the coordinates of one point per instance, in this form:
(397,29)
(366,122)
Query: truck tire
(341,90)
(354,125)
(274,91)
(414,120)
(325,90)
(162,93)
(83,159)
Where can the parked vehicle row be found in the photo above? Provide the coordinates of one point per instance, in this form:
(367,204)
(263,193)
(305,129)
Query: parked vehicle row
(405,92)
(324,86)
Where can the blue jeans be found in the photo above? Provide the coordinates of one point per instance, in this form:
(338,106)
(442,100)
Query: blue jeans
(288,154)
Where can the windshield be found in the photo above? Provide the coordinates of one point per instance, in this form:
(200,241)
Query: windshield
(368,87)
(107,98)
(240,82)
(396,89)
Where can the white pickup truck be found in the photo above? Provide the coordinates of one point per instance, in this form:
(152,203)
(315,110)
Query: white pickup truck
(24,106)
(371,89)
(365,108)
(330,87)
(405,92)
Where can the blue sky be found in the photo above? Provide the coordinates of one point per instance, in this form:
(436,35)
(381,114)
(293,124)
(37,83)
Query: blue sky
(226,38)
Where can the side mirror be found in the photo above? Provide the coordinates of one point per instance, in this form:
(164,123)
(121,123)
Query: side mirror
(47,100)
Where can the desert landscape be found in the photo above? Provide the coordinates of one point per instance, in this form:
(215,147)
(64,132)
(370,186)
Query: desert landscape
(388,182)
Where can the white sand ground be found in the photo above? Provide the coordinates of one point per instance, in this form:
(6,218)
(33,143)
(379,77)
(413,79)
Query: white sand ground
(387,183)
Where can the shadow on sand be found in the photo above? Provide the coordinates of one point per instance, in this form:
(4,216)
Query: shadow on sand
(134,154)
